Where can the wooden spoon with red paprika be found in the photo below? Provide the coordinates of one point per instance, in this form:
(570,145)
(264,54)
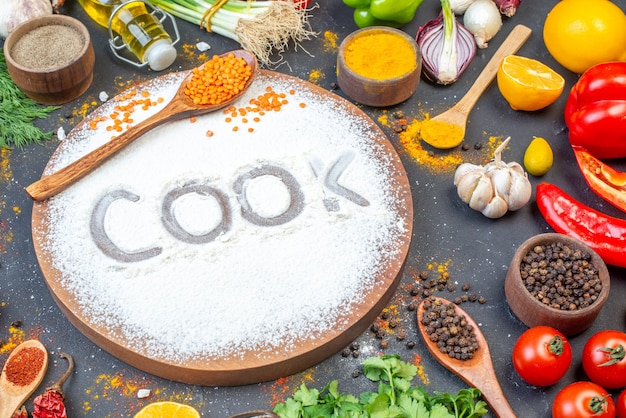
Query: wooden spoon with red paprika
(21,375)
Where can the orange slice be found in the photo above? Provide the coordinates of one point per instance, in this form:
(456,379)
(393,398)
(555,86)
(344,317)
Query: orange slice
(528,84)
(167,409)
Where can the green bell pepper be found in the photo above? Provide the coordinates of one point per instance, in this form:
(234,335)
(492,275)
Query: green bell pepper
(393,13)
(357,4)
(364,18)
(401,11)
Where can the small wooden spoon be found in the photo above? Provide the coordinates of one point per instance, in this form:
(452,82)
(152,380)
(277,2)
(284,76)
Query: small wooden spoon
(478,371)
(457,115)
(181,106)
(13,396)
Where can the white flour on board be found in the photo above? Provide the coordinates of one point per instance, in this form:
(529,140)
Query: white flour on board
(255,286)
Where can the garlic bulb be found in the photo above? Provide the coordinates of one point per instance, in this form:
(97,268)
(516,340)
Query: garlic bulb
(495,188)
(15,12)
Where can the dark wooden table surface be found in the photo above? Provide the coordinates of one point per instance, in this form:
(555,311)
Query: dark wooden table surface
(447,235)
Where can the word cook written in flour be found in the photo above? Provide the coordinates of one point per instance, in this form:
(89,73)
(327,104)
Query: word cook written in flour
(173,226)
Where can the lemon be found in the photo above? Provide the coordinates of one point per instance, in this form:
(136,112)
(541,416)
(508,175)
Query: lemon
(167,409)
(583,33)
(528,84)
(538,157)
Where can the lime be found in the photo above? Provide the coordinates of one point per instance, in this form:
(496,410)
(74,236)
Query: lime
(538,157)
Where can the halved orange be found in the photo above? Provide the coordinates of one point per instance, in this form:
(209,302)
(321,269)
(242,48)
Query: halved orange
(528,84)
(167,409)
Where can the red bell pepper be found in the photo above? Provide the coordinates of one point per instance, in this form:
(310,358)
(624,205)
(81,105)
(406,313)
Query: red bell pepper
(604,180)
(606,235)
(595,111)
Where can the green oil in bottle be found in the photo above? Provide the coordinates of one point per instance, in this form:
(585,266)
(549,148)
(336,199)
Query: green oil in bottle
(139,30)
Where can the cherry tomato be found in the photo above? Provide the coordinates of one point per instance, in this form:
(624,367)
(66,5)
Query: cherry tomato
(603,359)
(542,355)
(620,405)
(583,400)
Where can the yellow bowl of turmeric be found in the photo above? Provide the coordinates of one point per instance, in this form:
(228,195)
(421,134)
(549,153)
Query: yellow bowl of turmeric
(378,66)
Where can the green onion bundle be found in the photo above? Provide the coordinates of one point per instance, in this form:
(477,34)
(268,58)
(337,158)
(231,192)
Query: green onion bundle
(261,27)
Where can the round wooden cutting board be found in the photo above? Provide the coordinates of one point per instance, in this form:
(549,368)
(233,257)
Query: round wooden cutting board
(249,366)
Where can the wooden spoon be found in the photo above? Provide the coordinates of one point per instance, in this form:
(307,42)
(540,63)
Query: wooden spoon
(13,396)
(456,116)
(181,106)
(478,371)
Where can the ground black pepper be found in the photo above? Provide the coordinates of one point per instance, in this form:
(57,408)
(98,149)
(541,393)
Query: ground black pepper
(560,277)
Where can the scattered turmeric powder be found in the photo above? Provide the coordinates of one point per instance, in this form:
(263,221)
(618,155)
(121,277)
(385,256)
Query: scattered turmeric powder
(315,76)
(330,41)
(411,142)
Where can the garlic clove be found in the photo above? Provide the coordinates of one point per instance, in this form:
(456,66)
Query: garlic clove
(516,167)
(520,192)
(465,168)
(467,184)
(482,195)
(501,179)
(496,208)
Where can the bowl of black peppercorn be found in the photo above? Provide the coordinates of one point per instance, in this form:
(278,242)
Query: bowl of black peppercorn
(558,281)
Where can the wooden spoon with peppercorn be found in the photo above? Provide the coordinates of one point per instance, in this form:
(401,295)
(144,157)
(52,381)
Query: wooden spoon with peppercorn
(476,371)
(21,375)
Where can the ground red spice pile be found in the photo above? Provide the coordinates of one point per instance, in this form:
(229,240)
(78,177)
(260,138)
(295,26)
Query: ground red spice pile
(24,366)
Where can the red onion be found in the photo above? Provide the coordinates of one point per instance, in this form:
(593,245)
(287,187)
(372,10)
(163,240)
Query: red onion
(507,7)
(447,47)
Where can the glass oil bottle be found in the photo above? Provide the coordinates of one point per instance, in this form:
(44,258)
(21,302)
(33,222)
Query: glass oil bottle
(135,26)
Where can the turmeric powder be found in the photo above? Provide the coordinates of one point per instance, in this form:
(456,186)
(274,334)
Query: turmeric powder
(441,134)
(380,55)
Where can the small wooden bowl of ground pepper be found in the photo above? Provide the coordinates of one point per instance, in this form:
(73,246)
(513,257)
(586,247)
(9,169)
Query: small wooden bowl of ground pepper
(379,66)
(50,58)
(558,281)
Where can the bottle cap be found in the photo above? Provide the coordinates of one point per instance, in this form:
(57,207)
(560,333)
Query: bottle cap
(160,55)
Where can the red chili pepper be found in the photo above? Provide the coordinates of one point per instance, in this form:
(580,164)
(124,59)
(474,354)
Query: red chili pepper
(51,404)
(595,111)
(20,413)
(604,180)
(604,234)
(301,4)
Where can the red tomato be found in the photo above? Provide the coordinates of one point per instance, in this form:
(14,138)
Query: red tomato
(620,405)
(583,400)
(603,359)
(542,355)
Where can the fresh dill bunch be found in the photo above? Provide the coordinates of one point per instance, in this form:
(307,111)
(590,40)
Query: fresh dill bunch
(17,113)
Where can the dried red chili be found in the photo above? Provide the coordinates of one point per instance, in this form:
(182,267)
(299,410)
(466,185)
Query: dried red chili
(24,366)
(51,404)
(20,413)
